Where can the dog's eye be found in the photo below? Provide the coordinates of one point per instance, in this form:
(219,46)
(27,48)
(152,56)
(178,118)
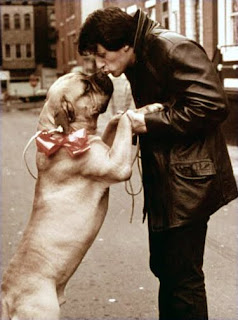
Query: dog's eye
(88,86)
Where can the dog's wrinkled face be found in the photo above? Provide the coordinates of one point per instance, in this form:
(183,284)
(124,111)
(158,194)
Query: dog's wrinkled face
(79,98)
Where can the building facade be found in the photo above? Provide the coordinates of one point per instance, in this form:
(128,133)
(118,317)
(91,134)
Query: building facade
(43,34)
(70,14)
(28,43)
(18,54)
(68,19)
(213,24)
(210,23)
(197,19)
(227,42)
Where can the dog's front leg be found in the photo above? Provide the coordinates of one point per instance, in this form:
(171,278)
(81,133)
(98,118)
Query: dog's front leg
(106,164)
(120,154)
(110,130)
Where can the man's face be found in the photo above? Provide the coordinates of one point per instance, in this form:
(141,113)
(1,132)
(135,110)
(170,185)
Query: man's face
(114,62)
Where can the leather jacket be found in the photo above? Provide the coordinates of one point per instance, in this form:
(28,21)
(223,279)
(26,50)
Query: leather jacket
(187,174)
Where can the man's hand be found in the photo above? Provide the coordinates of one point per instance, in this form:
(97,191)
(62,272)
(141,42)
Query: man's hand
(150,108)
(137,116)
(137,121)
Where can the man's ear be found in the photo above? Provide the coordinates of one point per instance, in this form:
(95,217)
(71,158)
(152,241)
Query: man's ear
(64,115)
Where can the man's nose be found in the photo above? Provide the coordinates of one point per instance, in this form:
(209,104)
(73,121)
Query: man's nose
(100,63)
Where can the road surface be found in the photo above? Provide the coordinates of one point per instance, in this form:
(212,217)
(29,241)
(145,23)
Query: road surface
(114,280)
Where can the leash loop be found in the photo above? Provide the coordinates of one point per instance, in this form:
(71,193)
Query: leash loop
(129,182)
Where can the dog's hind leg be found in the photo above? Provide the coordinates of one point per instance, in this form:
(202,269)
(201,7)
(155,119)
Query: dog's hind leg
(42,311)
(60,294)
(45,308)
(5,311)
(41,305)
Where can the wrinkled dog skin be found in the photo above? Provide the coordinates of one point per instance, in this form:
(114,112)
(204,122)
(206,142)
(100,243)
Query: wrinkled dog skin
(71,199)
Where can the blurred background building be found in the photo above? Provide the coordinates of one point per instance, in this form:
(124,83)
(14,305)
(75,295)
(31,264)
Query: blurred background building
(28,46)
(39,37)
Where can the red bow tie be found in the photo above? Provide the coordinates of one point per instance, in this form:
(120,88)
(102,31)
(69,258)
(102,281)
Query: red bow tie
(75,143)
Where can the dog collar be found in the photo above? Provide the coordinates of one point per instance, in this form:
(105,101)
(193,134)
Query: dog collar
(75,143)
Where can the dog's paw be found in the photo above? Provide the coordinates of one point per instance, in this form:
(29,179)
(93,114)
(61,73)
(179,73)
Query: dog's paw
(150,108)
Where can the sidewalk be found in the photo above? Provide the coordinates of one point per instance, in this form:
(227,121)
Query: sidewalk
(233,152)
(131,289)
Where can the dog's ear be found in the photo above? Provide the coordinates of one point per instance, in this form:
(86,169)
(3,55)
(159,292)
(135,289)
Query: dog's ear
(65,114)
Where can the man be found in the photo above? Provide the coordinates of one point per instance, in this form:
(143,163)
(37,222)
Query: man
(187,174)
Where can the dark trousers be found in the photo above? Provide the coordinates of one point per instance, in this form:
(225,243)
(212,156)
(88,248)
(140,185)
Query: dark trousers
(176,258)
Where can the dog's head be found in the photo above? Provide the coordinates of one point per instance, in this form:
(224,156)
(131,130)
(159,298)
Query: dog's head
(75,100)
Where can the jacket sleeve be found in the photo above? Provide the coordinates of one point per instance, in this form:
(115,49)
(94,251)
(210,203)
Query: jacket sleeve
(199,101)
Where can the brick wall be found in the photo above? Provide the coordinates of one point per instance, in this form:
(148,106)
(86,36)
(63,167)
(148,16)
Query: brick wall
(19,36)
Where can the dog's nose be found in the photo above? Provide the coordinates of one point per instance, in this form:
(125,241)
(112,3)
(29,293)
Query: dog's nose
(103,82)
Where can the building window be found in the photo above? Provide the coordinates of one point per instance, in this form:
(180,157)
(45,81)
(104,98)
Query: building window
(52,19)
(165,6)
(197,18)
(152,13)
(63,56)
(72,49)
(18,51)
(27,21)
(7,51)
(53,51)
(28,50)
(131,9)
(17,23)
(70,7)
(165,14)
(174,15)
(194,22)
(166,23)
(234,18)
(6,21)
(150,3)
(150,6)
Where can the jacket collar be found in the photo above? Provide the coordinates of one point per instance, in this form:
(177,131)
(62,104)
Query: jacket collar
(144,27)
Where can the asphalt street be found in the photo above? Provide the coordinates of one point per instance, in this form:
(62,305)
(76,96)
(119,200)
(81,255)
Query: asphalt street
(114,280)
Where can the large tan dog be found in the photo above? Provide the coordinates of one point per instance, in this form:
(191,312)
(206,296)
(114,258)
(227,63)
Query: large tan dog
(71,199)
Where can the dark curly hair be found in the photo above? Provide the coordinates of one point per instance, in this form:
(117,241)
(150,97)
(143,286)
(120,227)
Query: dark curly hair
(110,27)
